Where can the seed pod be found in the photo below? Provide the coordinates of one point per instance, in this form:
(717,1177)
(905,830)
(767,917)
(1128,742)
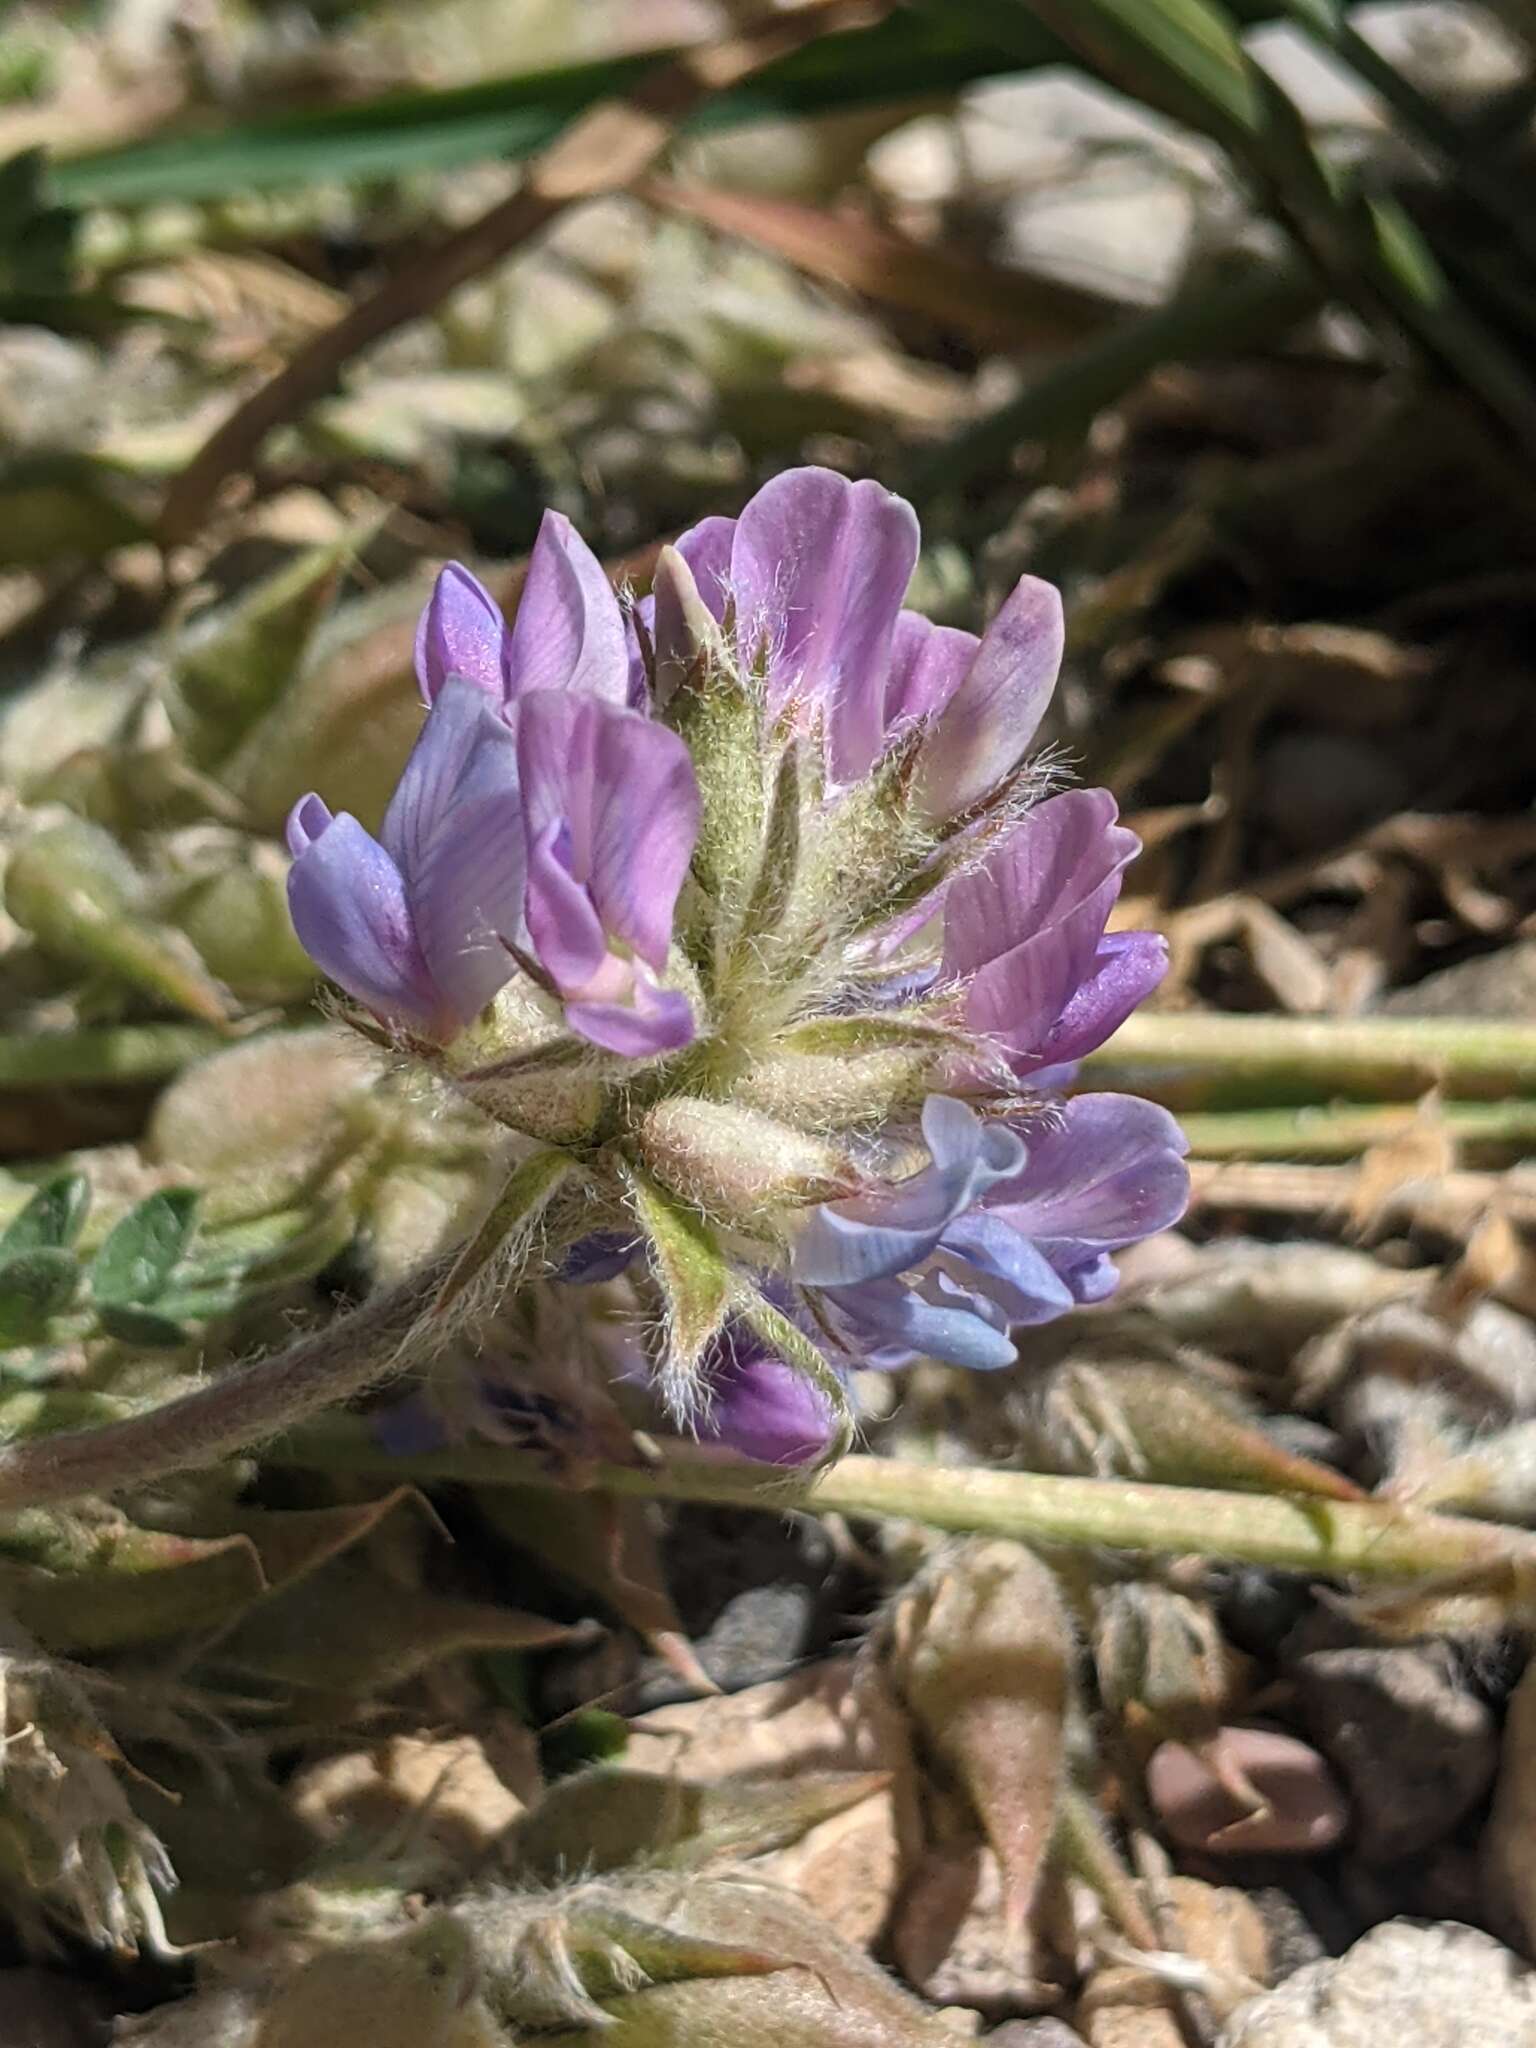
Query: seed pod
(980,1651)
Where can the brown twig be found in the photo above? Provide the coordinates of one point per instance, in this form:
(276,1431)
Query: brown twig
(611,146)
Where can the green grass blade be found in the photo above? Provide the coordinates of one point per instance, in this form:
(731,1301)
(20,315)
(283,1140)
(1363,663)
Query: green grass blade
(904,57)
(1208,319)
(917,53)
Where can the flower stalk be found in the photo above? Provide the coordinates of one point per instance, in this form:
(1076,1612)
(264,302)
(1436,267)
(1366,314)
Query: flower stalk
(1338,1539)
(1214,1062)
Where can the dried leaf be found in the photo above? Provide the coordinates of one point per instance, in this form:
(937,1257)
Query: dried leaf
(604,1818)
(348,1632)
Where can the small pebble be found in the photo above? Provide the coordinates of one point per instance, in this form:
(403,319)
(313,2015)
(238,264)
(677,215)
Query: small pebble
(1304,1811)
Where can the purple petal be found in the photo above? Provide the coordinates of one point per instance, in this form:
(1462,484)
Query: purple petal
(461,633)
(819,567)
(706,548)
(308,819)
(348,905)
(656,1020)
(564,927)
(928,664)
(1109,1174)
(1025,928)
(569,629)
(981,734)
(1126,969)
(625,788)
(875,1236)
(765,1409)
(453,828)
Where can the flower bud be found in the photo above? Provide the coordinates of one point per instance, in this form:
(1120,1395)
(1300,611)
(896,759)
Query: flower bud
(981,1652)
(816,1089)
(684,633)
(737,1164)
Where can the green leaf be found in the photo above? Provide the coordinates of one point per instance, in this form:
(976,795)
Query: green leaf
(130,1325)
(52,1219)
(140,1253)
(34,1286)
(232,664)
(692,1273)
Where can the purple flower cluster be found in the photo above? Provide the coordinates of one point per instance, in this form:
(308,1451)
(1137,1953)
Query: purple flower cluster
(544,828)
(539,817)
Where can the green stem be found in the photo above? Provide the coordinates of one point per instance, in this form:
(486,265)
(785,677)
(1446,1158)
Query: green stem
(116,1053)
(1198,1061)
(1343,1130)
(1379,1540)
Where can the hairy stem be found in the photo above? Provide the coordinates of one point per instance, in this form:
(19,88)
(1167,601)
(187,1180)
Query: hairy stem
(239,1408)
(1339,1538)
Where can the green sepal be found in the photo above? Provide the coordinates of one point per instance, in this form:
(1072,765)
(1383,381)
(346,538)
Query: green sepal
(693,1275)
(868,1031)
(510,1216)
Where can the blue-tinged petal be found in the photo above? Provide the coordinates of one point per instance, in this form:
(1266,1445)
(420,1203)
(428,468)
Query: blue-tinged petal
(1110,1173)
(454,829)
(901,1325)
(569,630)
(986,1255)
(349,908)
(874,1236)
(309,817)
(1126,968)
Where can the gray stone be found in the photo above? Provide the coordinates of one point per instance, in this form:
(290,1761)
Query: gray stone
(1501,984)
(1044,2033)
(1420,1984)
(1414,1746)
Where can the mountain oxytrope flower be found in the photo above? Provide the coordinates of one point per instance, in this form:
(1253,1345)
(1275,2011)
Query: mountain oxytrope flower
(1024,935)
(1003,1228)
(777,838)
(537,815)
